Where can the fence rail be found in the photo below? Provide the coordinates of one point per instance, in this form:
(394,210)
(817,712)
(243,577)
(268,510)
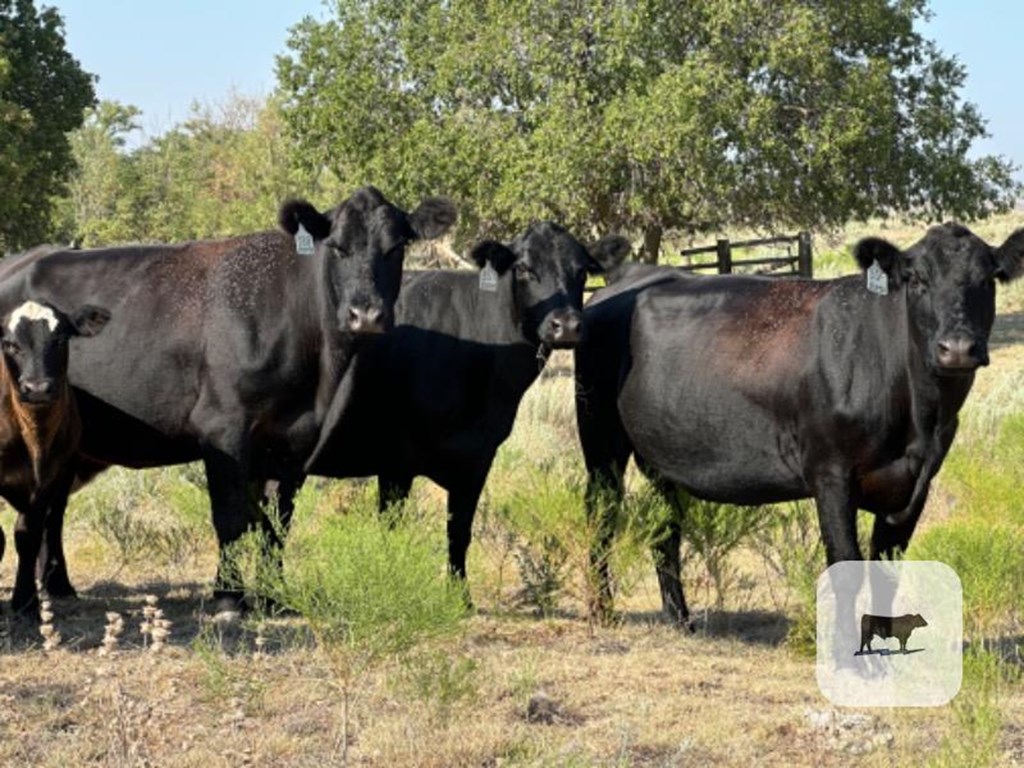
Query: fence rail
(801,264)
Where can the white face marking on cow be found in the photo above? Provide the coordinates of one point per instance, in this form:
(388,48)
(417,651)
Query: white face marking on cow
(33,311)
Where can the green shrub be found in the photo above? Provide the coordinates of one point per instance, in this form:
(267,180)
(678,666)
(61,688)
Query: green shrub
(990,563)
(442,680)
(157,516)
(370,585)
(974,738)
(554,539)
(713,532)
(790,546)
(985,469)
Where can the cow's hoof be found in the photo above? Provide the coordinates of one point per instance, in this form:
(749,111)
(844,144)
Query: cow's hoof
(60,588)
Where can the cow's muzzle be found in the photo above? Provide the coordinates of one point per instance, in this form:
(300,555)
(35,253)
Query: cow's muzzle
(36,391)
(564,329)
(960,354)
(367,320)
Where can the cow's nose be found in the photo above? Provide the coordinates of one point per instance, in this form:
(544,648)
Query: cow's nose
(565,329)
(36,389)
(366,320)
(961,353)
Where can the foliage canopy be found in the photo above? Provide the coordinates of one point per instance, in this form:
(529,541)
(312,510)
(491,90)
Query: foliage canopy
(645,115)
(43,92)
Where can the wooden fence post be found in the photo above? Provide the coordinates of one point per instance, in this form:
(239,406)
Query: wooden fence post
(724,257)
(805,266)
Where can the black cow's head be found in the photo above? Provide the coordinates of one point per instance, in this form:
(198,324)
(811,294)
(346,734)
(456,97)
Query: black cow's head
(363,242)
(950,281)
(35,346)
(550,269)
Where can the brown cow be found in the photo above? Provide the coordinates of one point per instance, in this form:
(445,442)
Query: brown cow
(39,425)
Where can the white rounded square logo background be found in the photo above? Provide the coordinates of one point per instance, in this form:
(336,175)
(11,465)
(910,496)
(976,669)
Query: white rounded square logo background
(928,673)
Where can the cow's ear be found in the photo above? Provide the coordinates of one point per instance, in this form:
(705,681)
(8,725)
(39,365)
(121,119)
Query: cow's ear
(890,258)
(433,217)
(1010,257)
(296,212)
(607,253)
(500,257)
(89,320)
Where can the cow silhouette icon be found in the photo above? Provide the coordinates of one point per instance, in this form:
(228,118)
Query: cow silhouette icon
(885,627)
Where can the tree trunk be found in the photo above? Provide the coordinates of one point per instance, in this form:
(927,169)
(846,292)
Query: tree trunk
(652,244)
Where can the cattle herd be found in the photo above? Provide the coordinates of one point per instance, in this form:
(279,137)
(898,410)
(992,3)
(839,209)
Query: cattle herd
(277,355)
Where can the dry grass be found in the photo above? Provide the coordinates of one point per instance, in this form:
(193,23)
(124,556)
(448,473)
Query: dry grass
(552,691)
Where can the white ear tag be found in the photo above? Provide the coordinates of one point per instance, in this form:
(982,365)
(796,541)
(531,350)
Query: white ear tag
(878,281)
(304,242)
(488,279)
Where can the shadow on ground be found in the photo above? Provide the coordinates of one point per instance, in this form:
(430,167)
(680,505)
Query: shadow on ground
(82,621)
(767,628)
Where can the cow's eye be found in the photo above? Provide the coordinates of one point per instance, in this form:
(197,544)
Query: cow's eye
(11,348)
(918,285)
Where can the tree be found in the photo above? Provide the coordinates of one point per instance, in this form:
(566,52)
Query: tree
(223,171)
(97,189)
(644,115)
(43,93)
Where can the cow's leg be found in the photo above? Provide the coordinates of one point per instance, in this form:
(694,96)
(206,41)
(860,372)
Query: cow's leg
(837,516)
(669,566)
(462,501)
(232,515)
(281,493)
(51,565)
(392,490)
(287,489)
(606,451)
(28,535)
(891,541)
(603,498)
(668,542)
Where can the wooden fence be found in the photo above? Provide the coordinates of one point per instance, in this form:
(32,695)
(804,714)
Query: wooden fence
(794,264)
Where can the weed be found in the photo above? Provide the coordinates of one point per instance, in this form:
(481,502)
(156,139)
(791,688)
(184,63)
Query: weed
(987,559)
(974,741)
(440,679)
(713,532)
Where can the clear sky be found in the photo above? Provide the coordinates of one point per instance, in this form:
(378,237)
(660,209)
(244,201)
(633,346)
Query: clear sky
(162,56)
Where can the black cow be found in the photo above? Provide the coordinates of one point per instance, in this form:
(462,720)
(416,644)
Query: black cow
(885,627)
(228,351)
(752,390)
(439,395)
(39,425)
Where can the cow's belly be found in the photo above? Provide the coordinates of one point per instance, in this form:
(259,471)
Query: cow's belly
(725,450)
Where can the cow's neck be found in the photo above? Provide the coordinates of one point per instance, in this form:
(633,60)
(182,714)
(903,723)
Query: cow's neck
(501,321)
(38,426)
(335,347)
(504,322)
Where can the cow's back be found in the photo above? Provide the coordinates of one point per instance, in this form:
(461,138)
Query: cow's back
(178,312)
